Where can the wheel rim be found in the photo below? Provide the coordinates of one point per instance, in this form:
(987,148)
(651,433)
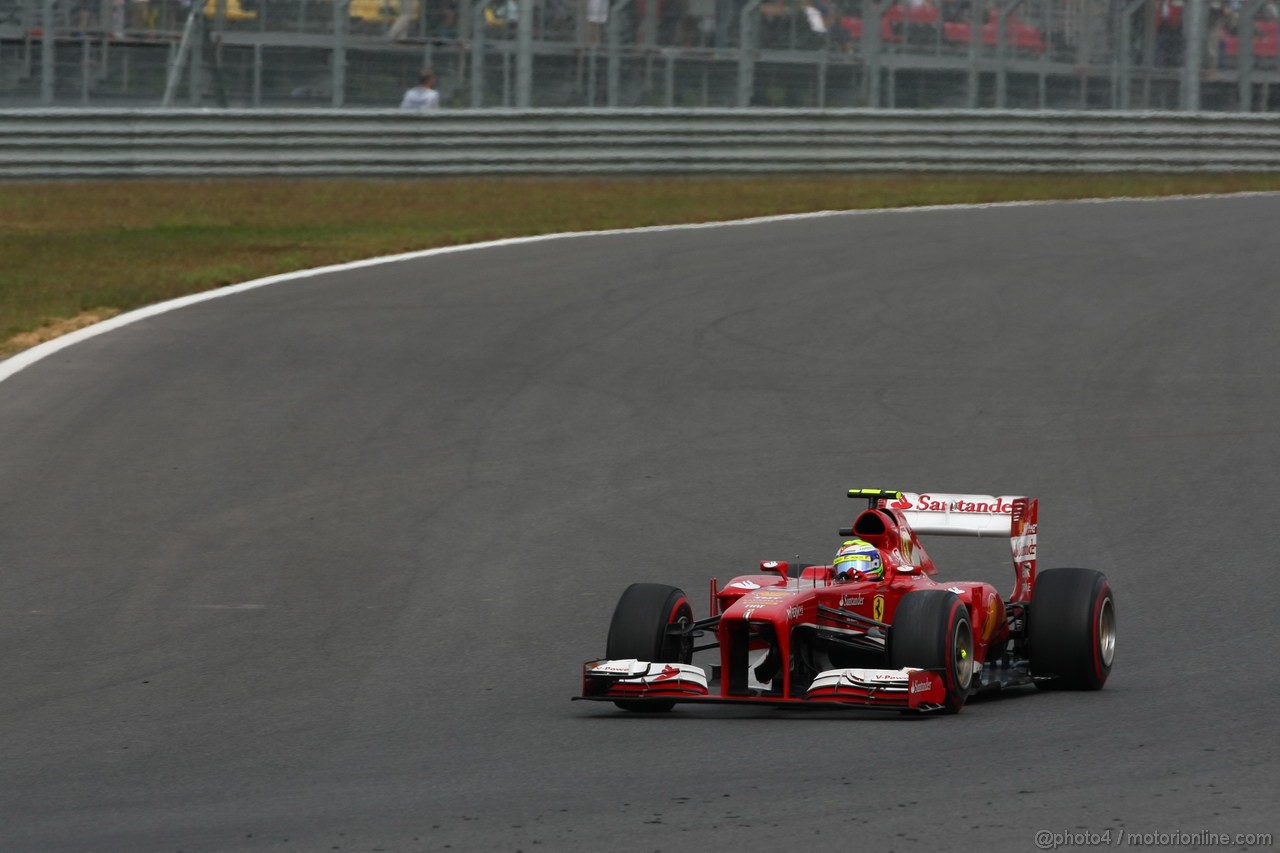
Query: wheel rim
(1106,631)
(678,649)
(686,641)
(962,653)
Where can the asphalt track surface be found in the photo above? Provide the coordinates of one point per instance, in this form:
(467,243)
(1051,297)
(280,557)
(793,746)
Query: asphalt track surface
(314,567)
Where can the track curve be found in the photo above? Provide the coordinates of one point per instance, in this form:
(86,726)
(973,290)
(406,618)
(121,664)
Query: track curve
(314,567)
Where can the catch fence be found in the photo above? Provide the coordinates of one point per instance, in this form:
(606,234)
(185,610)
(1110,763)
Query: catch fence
(645,54)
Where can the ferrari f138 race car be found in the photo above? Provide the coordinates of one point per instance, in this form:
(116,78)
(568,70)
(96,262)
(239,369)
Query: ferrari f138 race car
(888,637)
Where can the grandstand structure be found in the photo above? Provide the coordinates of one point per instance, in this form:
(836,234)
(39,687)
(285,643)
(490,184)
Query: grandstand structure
(1032,54)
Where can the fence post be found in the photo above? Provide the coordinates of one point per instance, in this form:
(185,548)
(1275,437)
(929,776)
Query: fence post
(175,70)
(871,44)
(86,60)
(1193,30)
(524,56)
(257,74)
(669,79)
(591,75)
(1002,52)
(465,15)
(822,70)
(340,22)
(195,57)
(46,54)
(975,36)
(614,71)
(747,51)
(1244,54)
(477,56)
(1125,61)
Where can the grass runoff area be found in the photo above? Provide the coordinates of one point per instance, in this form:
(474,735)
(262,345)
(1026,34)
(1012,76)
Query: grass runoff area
(75,253)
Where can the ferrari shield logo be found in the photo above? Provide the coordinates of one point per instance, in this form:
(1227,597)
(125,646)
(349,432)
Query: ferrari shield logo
(877,608)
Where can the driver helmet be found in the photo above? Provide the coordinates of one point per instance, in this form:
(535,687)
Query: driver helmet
(857,560)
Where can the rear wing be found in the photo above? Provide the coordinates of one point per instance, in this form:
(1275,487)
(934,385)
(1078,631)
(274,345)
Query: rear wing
(1014,516)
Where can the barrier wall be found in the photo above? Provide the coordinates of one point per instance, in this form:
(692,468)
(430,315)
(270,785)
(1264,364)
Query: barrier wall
(198,143)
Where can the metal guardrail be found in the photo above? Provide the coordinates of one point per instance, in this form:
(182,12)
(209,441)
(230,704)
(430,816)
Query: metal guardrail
(42,144)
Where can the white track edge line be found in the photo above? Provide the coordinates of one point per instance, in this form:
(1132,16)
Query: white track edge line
(26,358)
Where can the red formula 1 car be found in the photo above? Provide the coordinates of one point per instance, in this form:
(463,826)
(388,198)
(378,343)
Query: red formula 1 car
(797,635)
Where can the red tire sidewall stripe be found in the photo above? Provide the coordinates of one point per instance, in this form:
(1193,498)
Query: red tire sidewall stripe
(949,674)
(1099,669)
(681,603)
(671,617)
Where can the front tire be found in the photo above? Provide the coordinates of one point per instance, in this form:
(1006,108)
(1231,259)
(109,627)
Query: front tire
(639,630)
(931,631)
(1072,629)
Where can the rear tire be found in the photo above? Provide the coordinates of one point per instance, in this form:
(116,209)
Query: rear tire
(1072,629)
(931,631)
(639,630)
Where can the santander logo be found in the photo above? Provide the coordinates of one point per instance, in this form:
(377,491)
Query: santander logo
(985,504)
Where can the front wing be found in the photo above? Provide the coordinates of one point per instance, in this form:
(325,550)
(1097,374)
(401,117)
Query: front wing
(638,681)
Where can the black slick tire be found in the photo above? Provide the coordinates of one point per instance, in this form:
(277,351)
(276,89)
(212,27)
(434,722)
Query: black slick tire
(931,631)
(639,630)
(1071,630)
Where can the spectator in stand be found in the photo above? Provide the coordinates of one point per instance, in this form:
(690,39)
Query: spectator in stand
(85,15)
(658,21)
(1169,32)
(424,95)
(1221,23)
(816,16)
(672,13)
(502,16)
(955,11)
(704,12)
(824,20)
(775,23)
(118,14)
(597,17)
(689,28)
(407,11)
(922,16)
(442,18)
(841,38)
(143,15)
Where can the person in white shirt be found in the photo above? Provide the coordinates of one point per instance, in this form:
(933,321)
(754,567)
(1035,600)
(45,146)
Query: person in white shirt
(597,17)
(422,96)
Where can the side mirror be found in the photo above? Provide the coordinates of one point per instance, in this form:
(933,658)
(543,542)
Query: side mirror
(776,567)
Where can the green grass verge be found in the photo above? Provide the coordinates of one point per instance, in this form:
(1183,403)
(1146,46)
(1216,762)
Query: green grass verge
(71,253)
